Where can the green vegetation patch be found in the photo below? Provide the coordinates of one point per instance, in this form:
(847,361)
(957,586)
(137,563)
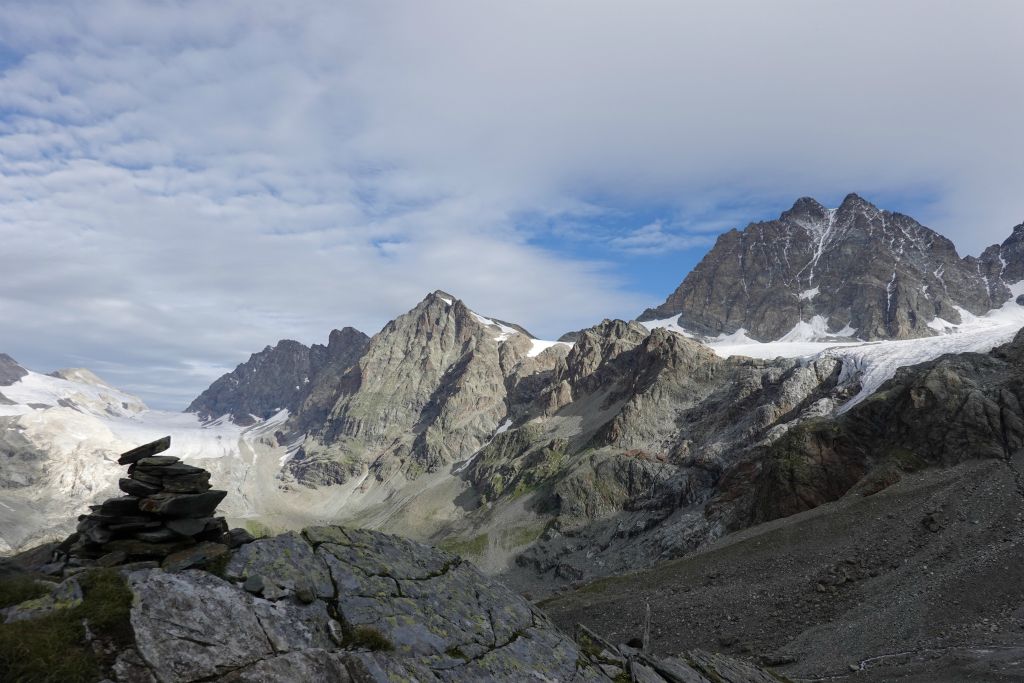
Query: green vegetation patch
(218,565)
(473,547)
(18,589)
(257,529)
(369,638)
(522,535)
(456,651)
(52,649)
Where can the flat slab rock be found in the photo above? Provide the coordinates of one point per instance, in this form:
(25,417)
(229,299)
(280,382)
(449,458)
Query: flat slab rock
(144,451)
(378,608)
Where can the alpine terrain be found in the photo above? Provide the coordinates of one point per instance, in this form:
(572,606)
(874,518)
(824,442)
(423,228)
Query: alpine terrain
(799,460)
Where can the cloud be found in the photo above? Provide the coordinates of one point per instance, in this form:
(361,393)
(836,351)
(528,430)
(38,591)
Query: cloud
(183,183)
(656,238)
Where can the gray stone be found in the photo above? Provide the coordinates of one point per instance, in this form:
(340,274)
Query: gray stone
(144,451)
(196,556)
(187,527)
(156,461)
(98,534)
(287,560)
(116,507)
(728,669)
(137,488)
(130,668)
(190,625)
(305,665)
(254,584)
(292,627)
(183,504)
(236,537)
(194,483)
(112,559)
(136,548)
(158,535)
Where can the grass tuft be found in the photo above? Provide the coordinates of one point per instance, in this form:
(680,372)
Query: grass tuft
(52,649)
(369,638)
(18,589)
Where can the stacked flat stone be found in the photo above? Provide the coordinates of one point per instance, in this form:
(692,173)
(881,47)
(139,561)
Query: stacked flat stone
(169,506)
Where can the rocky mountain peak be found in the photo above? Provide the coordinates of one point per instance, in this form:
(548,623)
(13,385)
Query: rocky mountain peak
(278,377)
(853,202)
(429,389)
(855,269)
(344,336)
(806,211)
(10,371)
(443,295)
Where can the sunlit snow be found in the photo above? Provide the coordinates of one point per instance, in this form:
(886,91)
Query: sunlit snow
(541,345)
(875,362)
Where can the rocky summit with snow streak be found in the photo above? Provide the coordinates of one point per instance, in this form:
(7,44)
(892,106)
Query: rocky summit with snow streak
(855,270)
(429,389)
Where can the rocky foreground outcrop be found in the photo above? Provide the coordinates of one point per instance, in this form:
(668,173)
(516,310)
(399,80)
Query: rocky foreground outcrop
(338,604)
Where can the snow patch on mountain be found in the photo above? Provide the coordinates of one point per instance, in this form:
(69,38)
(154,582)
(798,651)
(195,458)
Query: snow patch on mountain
(504,331)
(814,330)
(878,362)
(541,345)
(872,363)
(75,389)
(809,294)
(670,324)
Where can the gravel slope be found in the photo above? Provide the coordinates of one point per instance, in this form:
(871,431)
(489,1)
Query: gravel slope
(923,581)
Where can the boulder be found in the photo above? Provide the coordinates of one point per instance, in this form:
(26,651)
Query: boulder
(287,560)
(137,487)
(144,451)
(197,556)
(183,504)
(236,537)
(156,461)
(126,505)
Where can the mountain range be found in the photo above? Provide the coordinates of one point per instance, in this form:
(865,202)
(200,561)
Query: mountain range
(828,355)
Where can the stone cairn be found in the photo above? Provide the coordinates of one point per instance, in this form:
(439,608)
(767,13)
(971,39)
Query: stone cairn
(167,514)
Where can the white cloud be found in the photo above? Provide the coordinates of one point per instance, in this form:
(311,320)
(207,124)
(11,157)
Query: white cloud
(657,238)
(183,183)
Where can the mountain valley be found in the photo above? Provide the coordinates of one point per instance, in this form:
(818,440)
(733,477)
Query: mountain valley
(828,412)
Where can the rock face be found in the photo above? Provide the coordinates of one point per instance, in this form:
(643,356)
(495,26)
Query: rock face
(339,604)
(10,371)
(942,413)
(430,389)
(851,270)
(639,433)
(279,377)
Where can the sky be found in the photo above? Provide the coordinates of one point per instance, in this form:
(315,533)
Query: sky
(183,183)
